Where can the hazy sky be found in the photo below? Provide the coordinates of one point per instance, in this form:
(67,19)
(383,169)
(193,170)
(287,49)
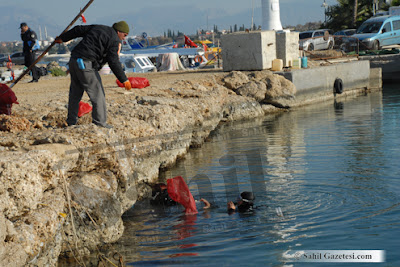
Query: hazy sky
(63,10)
(154,16)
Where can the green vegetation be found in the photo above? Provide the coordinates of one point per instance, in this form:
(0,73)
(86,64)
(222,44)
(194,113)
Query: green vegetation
(350,14)
(57,71)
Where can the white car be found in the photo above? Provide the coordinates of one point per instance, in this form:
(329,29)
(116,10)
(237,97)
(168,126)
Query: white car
(316,40)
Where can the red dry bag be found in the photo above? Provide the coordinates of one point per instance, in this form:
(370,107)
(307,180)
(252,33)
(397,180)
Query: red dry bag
(7,98)
(84,108)
(136,82)
(179,192)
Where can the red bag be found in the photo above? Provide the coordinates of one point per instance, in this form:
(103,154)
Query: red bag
(136,82)
(5,109)
(7,98)
(179,192)
(84,108)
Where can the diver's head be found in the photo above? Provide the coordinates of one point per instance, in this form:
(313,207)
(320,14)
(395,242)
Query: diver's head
(245,202)
(160,195)
(247,197)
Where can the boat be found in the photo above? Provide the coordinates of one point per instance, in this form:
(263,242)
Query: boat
(191,55)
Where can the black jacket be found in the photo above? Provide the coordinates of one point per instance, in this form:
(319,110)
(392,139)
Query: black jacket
(100,45)
(29,38)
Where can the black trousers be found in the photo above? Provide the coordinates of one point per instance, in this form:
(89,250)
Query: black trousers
(29,59)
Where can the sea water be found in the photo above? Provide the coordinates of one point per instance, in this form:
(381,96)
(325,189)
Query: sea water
(325,177)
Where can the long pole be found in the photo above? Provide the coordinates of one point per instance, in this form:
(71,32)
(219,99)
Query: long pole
(51,45)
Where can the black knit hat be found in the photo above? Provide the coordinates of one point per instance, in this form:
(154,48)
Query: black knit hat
(23,24)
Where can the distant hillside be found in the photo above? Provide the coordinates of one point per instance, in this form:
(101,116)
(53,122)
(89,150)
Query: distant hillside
(155,21)
(11,18)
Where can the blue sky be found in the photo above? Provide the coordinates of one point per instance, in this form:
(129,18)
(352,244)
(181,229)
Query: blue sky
(157,16)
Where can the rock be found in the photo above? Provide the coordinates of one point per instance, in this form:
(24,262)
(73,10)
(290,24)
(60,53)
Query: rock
(14,124)
(253,89)
(263,86)
(235,79)
(280,91)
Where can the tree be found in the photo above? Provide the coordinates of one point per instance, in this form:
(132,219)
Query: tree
(344,15)
(355,13)
(395,3)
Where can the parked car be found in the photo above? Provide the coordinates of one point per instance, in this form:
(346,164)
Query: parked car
(377,32)
(341,37)
(316,40)
(16,58)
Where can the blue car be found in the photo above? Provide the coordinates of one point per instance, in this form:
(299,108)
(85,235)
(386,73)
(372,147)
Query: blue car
(377,32)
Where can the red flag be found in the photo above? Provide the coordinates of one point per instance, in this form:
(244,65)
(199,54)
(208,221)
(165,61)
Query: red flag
(83,18)
(179,192)
(189,42)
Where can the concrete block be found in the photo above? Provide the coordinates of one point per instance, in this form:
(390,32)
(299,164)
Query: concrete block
(317,82)
(287,47)
(248,51)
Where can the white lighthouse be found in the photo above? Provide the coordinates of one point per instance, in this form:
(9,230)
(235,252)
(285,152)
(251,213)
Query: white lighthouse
(271,18)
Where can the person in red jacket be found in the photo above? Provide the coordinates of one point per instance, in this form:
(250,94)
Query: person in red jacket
(100,44)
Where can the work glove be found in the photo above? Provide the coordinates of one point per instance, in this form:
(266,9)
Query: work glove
(58,40)
(128,85)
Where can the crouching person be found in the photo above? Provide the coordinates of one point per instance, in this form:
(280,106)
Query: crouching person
(100,44)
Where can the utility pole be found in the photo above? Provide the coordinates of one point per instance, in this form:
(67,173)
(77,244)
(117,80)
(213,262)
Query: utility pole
(252,15)
(207,21)
(325,6)
(375,6)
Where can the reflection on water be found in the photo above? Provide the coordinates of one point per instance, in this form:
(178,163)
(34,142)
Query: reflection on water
(325,177)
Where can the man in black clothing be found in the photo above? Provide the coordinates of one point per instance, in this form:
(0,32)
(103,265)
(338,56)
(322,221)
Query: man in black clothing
(100,44)
(29,38)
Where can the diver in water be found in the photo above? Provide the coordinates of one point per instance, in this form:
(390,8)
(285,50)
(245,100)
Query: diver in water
(244,203)
(160,197)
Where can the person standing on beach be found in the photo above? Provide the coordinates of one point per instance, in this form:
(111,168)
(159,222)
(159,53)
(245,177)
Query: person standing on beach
(100,44)
(29,38)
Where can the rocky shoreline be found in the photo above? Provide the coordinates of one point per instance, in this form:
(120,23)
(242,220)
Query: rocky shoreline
(64,189)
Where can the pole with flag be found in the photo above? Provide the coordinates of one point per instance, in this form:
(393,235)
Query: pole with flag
(189,42)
